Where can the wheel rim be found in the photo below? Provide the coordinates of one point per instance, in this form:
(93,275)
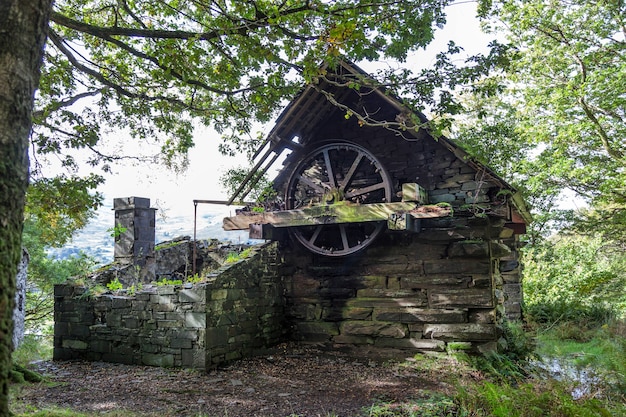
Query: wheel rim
(336,173)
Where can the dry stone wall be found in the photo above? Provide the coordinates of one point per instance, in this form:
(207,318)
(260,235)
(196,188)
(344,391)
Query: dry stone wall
(163,326)
(454,281)
(236,311)
(434,290)
(423,291)
(511,272)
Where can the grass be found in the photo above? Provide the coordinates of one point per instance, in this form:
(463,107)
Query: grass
(433,405)
(537,398)
(530,392)
(233,257)
(600,351)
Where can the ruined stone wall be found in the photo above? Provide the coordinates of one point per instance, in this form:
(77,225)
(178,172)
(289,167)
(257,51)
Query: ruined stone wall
(245,309)
(439,289)
(162,326)
(237,310)
(409,291)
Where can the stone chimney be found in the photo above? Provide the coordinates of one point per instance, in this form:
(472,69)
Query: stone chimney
(135,234)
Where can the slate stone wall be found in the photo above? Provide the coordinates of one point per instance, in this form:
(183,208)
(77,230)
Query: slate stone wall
(447,287)
(134,243)
(163,326)
(436,290)
(237,310)
(453,281)
(408,291)
(245,308)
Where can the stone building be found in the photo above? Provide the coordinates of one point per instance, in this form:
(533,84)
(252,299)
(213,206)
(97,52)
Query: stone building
(402,239)
(383,238)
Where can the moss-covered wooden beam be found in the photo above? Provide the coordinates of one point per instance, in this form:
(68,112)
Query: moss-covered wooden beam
(332,214)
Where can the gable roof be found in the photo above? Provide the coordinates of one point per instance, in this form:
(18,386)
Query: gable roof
(318,101)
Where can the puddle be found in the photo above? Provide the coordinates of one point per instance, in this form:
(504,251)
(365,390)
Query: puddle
(584,379)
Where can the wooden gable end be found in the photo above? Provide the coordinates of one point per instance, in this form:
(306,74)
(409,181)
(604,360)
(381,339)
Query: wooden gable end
(320,116)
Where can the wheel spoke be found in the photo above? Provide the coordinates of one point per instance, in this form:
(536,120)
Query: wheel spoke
(365,190)
(328,175)
(329,170)
(316,233)
(351,172)
(306,180)
(344,237)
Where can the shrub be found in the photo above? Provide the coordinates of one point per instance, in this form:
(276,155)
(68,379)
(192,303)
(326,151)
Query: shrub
(574,278)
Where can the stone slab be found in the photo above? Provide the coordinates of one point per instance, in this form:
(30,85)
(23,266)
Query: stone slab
(461,332)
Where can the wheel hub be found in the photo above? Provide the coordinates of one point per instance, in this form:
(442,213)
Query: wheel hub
(338,173)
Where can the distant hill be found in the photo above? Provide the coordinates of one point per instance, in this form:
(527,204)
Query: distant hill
(96,241)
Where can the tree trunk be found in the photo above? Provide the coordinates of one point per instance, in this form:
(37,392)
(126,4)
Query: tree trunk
(23,30)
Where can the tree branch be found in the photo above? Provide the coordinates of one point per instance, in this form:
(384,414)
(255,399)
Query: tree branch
(54,106)
(98,31)
(105,157)
(616,154)
(399,127)
(58,42)
(173,72)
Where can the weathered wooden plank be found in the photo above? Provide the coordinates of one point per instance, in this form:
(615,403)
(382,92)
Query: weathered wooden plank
(431,211)
(333,214)
(414,192)
(316,215)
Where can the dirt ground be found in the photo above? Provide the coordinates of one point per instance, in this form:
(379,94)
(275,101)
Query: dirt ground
(290,380)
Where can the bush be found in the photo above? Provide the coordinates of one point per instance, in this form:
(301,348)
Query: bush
(44,271)
(574,278)
(33,348)
(520,342)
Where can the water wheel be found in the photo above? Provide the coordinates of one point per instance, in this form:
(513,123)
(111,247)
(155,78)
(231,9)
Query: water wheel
(338,173)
